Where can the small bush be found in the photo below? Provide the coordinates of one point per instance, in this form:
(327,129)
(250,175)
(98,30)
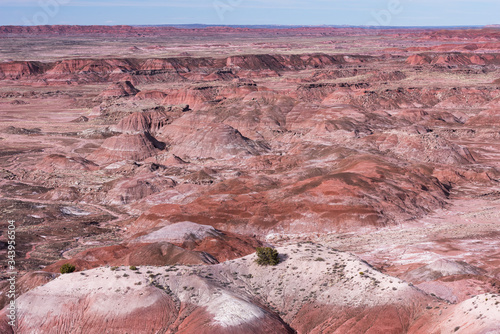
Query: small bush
(267,256)
(67,268)
(133,268)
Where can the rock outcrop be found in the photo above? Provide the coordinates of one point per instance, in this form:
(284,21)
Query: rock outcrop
(140,122)
(208,299)
(135,147)
(120,89)
(216,141)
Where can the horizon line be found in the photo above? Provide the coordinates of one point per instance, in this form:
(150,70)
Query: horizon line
(283,26)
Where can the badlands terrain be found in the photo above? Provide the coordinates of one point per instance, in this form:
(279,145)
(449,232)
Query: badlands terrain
(156,160)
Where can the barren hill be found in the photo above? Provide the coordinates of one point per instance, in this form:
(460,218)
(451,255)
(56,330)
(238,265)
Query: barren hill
(368,157)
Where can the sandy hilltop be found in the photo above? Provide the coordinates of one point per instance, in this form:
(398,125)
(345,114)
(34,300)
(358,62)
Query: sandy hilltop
(156,160)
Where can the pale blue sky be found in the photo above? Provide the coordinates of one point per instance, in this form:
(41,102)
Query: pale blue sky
(255,12)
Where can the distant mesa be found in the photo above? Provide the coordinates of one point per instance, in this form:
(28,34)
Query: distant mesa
(89,70)
(18,69)
(454,58)
(418,60)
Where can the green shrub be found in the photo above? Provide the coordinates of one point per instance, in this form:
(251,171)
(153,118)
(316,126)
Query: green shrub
(67,268)
(133,268)
(267,256)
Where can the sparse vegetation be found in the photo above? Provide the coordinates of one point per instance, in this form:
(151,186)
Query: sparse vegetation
(67,268)
(267,256)
(133,268)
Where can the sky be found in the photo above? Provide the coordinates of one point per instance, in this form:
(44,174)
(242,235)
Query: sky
(251,12)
